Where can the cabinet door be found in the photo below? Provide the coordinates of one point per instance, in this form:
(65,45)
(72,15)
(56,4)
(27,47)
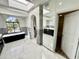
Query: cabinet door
(48,41)
(70,34)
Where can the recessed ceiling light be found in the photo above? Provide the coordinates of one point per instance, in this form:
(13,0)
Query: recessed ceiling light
(23,1)
(60,15)
(60,3)
(28,4)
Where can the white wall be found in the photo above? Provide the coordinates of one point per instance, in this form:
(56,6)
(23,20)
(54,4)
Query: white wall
(44,21)
(70,34)
(55,18)
(2,21)
(22,21)
(77,32)
(51,18)
(30,22)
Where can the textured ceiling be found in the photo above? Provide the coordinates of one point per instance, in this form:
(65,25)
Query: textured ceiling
(58,5)
(37,3)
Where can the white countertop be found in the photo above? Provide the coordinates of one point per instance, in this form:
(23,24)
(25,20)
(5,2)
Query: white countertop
(7,35)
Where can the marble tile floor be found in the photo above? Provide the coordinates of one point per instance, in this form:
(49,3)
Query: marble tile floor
(27,49)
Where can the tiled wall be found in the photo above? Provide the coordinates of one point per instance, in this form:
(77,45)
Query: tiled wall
(4,30)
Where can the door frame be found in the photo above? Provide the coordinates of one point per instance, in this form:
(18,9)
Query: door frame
(64,13)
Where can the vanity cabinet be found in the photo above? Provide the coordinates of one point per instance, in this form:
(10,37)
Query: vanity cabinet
(13,37)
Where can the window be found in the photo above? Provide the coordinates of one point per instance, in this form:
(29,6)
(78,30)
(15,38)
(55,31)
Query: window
(12,24)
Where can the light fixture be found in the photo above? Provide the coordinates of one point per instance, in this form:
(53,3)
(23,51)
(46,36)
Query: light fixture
(60,3)
(60,15)
(23,1)
(28,4)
